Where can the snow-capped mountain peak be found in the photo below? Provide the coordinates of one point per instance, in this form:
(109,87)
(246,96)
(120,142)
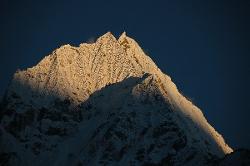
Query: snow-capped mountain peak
(103,103)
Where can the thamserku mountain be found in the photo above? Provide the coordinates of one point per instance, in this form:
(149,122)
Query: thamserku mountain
(102,103)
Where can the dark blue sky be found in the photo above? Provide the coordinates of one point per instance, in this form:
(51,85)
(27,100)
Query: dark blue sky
(203,45)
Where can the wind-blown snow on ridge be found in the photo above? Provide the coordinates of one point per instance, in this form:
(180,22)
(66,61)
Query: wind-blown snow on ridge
(70,79)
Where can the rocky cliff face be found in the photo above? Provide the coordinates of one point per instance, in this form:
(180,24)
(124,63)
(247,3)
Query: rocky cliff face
(102,103)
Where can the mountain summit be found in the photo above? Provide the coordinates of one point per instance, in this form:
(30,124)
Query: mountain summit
(104,103)
(76,72)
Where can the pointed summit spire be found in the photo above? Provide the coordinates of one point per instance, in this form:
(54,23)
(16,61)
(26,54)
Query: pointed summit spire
(123,36)
(107,35)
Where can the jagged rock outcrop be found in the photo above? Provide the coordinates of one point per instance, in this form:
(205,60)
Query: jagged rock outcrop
(99,104)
